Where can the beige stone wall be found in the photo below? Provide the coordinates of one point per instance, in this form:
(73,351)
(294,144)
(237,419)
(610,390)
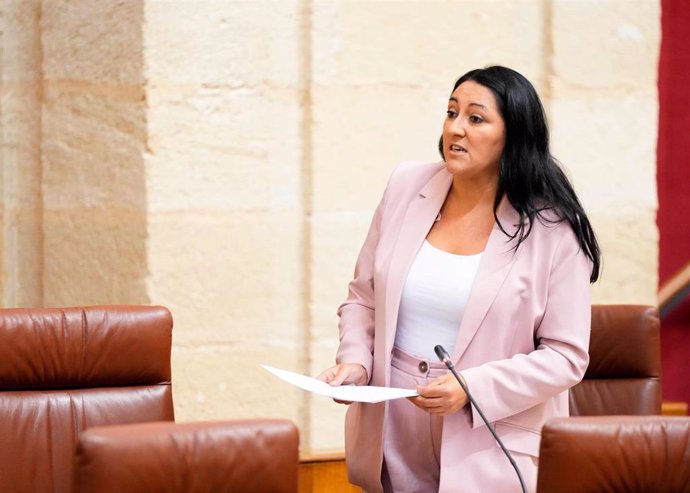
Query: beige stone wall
(21,250)
(93,142)
(604,110)
(226,221)
(223,158)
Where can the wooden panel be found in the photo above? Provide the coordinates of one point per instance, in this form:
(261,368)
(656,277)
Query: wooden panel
(324,472)
(669,408)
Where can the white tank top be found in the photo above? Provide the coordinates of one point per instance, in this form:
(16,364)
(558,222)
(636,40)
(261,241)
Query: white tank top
(433,300)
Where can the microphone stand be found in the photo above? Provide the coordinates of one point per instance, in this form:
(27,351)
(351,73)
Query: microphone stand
(445,358)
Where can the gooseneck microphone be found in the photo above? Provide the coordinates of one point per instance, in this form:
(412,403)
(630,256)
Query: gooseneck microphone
(445,359)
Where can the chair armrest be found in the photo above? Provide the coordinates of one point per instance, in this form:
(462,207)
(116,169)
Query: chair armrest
(256,455)
(635,454)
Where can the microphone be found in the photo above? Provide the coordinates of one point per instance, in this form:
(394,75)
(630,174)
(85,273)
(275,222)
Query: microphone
(445,359)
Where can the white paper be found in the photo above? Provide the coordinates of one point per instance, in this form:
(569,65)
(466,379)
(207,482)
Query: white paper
(352,393)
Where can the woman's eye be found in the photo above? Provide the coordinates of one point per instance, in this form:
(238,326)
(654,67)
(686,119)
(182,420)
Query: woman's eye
(476,119)
(451,114)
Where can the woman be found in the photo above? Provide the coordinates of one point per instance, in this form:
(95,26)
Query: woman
(490,254)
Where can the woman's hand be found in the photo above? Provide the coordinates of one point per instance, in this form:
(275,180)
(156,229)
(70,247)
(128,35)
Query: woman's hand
(344,374)
(443,396)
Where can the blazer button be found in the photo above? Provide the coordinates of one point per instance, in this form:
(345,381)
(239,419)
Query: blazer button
(423,366)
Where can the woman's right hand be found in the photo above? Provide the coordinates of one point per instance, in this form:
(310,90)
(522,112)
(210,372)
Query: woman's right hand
(344,374)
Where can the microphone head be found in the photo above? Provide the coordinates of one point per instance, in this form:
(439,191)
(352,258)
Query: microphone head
(441,353)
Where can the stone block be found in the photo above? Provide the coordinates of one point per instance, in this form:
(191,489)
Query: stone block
(629,242)
(21,248)
(93,40)
(21,117)
(20,121)
(22,256)
(226,382)
(423,44)
(93,146)
(608,146)
(224,149)
(20,38)
(230,44)
(94,256)
(336,241)
(228,276)
(361,134)
(608,45)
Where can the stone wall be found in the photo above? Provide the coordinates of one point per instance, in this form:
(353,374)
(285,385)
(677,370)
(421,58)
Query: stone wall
(601,85)
(93,141)
(223,158)
(226,219)
(21,240)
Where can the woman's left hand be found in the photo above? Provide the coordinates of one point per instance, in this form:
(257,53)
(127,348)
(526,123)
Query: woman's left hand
(443,396)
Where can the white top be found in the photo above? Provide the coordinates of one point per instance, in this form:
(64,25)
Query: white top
(433,300)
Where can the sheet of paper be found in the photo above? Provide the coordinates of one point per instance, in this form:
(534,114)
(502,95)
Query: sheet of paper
(353,393)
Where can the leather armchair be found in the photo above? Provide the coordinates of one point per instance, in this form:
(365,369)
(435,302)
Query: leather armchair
(617,454)
(624,373)
(65,370)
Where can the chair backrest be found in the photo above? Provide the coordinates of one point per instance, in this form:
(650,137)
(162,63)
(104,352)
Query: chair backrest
(631,454)
(251,456)
(63,370)
(624,373)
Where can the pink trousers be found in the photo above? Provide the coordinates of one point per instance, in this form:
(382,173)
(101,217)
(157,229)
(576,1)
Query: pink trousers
(412,437)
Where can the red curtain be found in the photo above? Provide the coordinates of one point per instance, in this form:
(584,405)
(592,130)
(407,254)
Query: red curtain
(673,183)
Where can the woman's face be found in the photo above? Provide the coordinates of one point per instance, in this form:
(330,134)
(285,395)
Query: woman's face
(473,132)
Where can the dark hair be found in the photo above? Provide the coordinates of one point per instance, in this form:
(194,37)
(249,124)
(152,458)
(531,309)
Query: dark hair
(529,176)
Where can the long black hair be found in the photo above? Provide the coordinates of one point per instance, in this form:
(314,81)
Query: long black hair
(529,176)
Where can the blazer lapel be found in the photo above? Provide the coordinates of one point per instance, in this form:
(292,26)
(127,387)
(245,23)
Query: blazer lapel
(499,256)
(419,217)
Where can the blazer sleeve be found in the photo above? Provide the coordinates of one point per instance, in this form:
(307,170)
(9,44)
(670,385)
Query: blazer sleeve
(509,386)
(356,324)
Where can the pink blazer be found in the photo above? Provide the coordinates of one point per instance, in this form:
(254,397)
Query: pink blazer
(522,343)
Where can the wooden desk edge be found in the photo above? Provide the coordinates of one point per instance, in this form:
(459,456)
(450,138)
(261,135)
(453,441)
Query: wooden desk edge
(670,408)
(308,456)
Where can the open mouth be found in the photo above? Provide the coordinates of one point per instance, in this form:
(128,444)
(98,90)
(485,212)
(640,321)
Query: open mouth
(457,148)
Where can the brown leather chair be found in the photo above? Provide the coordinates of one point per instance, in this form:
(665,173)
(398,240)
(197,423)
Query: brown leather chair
(624,373)
(65,370)
(250,456)
(618,454)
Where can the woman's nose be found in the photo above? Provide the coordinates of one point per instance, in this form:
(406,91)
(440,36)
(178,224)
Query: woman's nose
(458,126)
